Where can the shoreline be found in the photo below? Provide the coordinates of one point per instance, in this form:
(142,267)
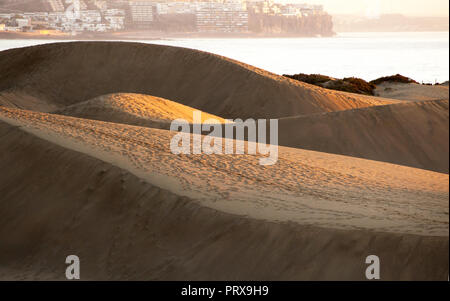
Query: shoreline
(158,39)
(142,35)
(147,36)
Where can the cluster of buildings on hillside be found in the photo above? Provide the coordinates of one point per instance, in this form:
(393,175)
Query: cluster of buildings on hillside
(65,16)
(89,20)
(77,16)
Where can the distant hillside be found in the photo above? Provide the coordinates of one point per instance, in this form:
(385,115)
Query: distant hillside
(9,6)
(306,26)
(389,23)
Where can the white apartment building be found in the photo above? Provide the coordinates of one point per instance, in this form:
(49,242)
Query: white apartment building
(90,16)
(165,8)
(142,11)
(23,22)
(56,5)
(222,17)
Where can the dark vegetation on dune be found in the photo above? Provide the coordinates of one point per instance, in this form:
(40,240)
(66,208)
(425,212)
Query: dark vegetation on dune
(348,84)
(353,84)
(313,79)
(398,78)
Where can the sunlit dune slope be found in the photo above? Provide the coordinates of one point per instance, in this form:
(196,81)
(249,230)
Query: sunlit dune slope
(303,186)
(412,92)
(115,196)
(413,134)
(123,228)
(134,109)
(67,73)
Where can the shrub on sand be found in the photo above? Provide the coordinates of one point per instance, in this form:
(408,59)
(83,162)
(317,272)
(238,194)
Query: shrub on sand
(313,79)
(394,79)
(348,84)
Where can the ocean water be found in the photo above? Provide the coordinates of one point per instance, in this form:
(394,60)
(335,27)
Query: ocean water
(423,56)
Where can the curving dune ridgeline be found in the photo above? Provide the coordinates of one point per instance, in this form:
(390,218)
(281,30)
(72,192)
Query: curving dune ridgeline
(64,74)
(134,109)
(124,228)
(160,216)
(413,133)
(87,169)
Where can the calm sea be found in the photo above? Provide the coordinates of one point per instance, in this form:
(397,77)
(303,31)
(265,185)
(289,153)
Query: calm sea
(423,56)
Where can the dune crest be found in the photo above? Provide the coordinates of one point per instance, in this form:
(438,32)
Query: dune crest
(408,134)
(68,73)
(124,228)
(21,100)
(304,187)
(134,109)
(412,134)
(97,177)
(412,91)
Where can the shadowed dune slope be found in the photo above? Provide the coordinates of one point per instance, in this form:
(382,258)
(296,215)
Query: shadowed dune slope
(19,99)
(63,74)
(134,109)
(124,228)
(412,134)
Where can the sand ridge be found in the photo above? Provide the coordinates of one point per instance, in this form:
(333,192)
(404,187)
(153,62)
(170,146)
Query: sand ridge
(413,133)
(124,228)
(64,74)
(412,92)
(305,187)
(405,133)
(96,177)
(135,109)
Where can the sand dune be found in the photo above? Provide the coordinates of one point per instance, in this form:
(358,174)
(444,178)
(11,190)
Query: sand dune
(144,232)
(412,92)
(134,109)
(412,134)
(211,178)
(96,178)
(195,214)
(68,73)
(21,100)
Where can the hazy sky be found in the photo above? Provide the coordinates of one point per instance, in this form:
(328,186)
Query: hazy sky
(373,7)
